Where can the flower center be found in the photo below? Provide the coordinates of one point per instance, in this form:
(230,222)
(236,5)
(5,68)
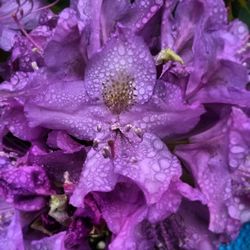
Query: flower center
(119,93)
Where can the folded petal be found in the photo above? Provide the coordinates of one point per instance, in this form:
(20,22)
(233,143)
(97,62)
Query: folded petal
(217,159)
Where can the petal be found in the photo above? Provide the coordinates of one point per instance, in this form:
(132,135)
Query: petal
(207,160)
(188,15)
(226,85)
(17,124)
(149,164)
(116,206)
(67,39)
(139,13)
(25,187)
(7,39)
(90,22)
(167,205)
(60,95)
(123,55)
(194,219)
(97,175)
(57,163)
(127,237)
(61,140)
(55,242)
(82,123)
(165,113)
(11,232)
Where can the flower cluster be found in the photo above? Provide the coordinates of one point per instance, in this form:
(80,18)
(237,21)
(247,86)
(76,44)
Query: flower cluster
(124,125)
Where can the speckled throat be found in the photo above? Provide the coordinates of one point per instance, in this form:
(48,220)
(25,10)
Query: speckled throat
(119,92)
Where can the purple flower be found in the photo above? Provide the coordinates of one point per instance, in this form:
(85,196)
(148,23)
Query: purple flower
(117,108)
(125,122)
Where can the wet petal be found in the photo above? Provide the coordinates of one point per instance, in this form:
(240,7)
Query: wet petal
(207,158)
(140,12)
(225,85)
(82,123)
(164,114)
(57,163)
(25,187)
(149,164)
(17,124)
(125,59)
(97,175)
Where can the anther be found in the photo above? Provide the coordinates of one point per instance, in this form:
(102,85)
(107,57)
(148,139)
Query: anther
(95,143)
(98,128)
(128,127)
(114,126)
(138,132)
(34,66)
(133,160)
(106,152)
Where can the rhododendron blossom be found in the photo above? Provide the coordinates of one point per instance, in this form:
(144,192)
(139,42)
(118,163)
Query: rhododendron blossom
(124,125)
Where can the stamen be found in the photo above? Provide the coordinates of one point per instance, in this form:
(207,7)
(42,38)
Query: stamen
(34,66)
(138,132)
(128,127)
(9,14)
(20,10)
(106,152)
(98,128)
(26,33)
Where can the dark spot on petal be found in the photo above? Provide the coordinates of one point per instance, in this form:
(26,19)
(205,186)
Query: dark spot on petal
(248,86)
(36,178)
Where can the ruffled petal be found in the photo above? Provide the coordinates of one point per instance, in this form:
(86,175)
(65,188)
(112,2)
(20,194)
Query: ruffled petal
(207,157)
(139,14)
(149,164)
(82,123)
(226,85)
(117,205)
